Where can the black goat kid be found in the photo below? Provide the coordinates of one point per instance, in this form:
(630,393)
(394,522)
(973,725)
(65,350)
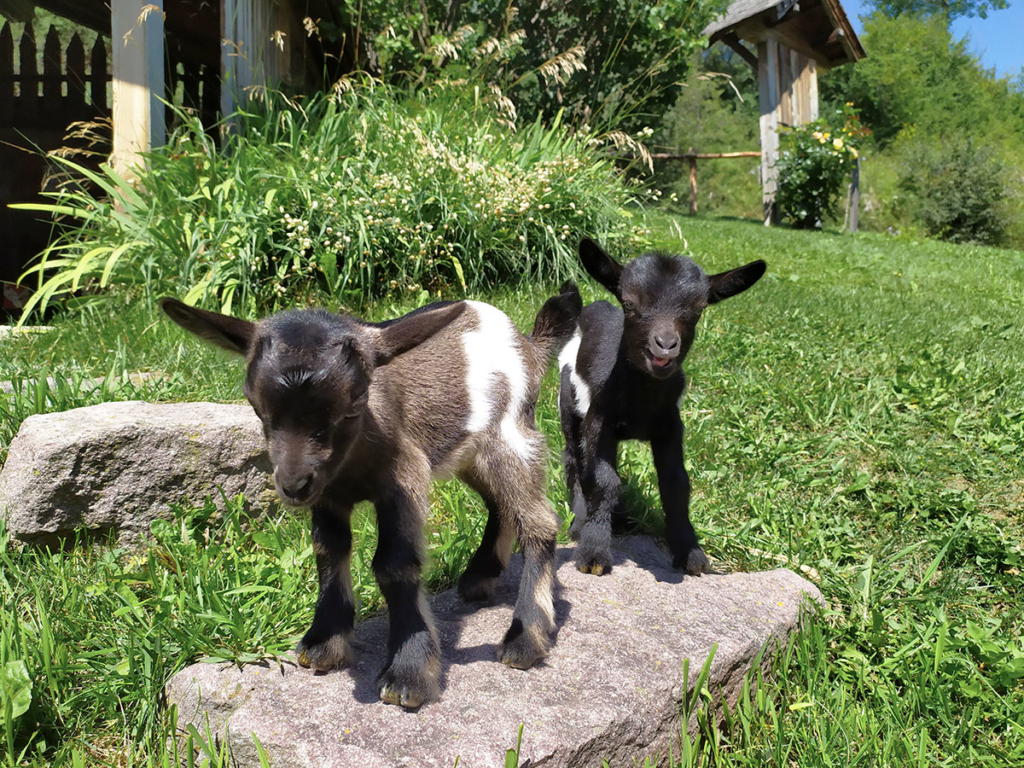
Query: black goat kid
(357,411)
(621,379)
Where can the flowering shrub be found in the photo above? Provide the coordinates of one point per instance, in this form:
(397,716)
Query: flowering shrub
(815,161)
(371,191)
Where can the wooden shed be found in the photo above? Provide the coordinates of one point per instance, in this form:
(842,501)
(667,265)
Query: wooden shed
(208,55)
(792,41)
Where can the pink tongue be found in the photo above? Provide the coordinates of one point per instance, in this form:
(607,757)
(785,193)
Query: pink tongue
(661,362)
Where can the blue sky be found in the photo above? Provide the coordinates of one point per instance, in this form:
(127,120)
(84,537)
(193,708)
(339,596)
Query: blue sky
(998,40)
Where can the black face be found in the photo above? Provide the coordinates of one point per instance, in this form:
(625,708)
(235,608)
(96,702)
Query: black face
(310,392)
(662,300)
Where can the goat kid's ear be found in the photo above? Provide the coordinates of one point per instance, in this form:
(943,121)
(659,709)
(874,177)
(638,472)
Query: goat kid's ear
(410,331)
(726,284)
(600,265)
(225,331)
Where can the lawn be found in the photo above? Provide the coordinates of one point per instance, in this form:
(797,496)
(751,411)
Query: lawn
(859,412)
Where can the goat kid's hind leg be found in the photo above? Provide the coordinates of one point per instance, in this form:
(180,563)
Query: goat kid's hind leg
(674,488)
(572,432)
(491,559)
(533,621)
(517,487)
(327,644)
(411,676)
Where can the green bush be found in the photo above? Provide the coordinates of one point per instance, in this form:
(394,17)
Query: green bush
(374,190)
(957,188)
(815,162)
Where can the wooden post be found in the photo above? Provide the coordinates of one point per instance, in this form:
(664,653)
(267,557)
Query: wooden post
(262,41)
(76,79)
(137,39)
(53,73)
(28,99)
(855,195)
(692,158)
(6,75)
(769,103)
(98,77)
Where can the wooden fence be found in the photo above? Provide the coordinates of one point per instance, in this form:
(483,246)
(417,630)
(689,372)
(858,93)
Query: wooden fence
(850,220)
(692,157)
(66,90)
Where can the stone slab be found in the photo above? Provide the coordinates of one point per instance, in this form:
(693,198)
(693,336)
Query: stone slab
(116,467)
(609,690)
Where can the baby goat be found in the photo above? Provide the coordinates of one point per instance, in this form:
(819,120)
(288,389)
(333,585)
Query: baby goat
(621,380)
(357,411)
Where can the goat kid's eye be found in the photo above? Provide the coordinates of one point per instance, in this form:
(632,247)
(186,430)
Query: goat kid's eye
(629,306)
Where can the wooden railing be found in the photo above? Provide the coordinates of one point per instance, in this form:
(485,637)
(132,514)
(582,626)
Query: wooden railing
(692,157)
(66,90)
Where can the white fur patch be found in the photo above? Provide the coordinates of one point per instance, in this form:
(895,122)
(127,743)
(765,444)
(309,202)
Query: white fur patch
(491,350)
(567,358)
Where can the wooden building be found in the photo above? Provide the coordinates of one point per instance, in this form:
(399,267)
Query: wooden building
(207,55)
(790,42)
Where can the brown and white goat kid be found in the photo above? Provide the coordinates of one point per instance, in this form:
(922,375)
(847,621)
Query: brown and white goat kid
(357,411)
(621,379)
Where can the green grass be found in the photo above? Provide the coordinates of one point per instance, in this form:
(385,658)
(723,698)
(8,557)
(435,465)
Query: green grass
(859,412)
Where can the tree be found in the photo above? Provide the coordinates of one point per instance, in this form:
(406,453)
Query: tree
(611,56)
(947,9)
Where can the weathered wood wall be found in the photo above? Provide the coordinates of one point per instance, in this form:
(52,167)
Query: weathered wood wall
(787,95)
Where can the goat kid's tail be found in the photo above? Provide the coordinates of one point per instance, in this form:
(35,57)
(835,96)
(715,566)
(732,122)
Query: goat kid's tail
(557,321)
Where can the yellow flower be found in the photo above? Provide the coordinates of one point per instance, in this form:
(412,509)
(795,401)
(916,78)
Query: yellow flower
(853,152)
(837,143)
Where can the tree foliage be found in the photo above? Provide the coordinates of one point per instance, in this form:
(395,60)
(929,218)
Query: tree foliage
(944,9)
(618,56)
(917,72)
(946,129)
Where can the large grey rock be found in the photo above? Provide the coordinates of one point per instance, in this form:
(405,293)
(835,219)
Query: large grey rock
(609,690)
(119,466)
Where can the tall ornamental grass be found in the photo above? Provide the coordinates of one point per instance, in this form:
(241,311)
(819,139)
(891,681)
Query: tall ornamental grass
(371,191)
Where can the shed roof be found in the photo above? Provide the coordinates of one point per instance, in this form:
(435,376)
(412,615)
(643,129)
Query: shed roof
(817,28)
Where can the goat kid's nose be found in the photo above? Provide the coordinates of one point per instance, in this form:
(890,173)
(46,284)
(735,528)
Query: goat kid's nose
(667,343)
(297,489)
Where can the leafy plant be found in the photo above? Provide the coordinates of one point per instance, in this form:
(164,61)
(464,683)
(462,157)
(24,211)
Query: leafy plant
(958,188)
(814,163)
(372,191)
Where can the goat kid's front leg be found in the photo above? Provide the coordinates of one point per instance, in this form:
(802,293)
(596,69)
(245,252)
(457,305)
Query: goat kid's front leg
(327,644)
(674,487)
(411,676)
(600,481)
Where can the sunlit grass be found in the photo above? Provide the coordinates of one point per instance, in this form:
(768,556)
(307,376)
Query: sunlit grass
(859,412)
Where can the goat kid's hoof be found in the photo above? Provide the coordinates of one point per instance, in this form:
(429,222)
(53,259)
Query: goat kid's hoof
(522,652)
(598,564)
(329,654)
(405,690)
(694,562)
(474,589)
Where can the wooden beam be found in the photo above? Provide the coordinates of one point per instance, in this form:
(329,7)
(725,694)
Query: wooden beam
(731,40)
(702,155)
(769,102)
(693,182)
(853,214)
(138,75)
